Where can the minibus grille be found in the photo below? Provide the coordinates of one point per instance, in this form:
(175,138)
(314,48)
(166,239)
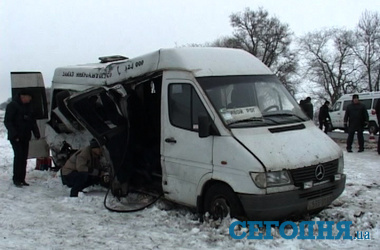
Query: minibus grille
(305,174)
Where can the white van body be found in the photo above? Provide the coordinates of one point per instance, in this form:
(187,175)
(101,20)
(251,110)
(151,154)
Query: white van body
(224,135)
(369,99)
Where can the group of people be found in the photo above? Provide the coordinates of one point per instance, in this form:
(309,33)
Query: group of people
(355,120)
(323,116)
(81,170)
(307,107)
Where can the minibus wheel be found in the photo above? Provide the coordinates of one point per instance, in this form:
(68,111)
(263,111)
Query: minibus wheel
(220,200)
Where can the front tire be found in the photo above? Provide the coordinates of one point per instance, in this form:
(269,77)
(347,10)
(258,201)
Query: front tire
(221,200)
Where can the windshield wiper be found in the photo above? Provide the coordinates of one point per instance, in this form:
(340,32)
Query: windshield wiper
(285,114)
(251,119)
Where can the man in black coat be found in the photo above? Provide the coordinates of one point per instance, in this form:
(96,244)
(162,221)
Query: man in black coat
(324,116)
(20,122)
(355,119)
(307,107)
(377,108)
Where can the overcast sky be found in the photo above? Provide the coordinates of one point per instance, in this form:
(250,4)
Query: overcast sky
(41,35)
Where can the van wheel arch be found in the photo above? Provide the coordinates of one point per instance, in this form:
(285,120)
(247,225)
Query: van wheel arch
(219,200)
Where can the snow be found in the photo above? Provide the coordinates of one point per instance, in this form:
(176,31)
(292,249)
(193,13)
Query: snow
(43,216)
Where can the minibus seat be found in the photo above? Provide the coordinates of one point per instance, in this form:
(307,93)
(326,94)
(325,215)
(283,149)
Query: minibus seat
(239,98)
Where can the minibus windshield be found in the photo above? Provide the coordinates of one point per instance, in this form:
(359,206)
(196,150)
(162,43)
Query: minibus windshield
(246,101)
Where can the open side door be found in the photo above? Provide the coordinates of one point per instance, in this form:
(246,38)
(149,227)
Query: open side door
(33,81)
(99,111)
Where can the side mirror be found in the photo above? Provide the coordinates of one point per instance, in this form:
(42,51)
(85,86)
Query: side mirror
(204,125)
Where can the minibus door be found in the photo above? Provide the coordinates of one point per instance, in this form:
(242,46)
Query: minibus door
(337,115)
(98,112)
(33,82)
(186,157)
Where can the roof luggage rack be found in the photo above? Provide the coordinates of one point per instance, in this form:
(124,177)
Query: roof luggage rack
(106,59)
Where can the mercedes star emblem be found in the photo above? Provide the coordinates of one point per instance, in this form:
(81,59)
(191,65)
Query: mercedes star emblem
(319,172)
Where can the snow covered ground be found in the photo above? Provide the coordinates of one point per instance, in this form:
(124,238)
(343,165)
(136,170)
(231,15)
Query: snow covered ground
(42,216)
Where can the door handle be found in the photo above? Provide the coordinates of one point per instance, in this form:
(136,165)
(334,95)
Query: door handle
(170,140)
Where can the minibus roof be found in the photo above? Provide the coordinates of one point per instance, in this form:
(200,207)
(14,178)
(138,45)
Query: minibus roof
(201,61)
(362,95)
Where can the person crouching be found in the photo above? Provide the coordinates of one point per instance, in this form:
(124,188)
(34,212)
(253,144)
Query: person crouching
(83,168)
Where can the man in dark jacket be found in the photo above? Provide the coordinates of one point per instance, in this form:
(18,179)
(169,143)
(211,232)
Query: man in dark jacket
(307,107)
(377,108)
(324,116)
(357,117)
(20,122)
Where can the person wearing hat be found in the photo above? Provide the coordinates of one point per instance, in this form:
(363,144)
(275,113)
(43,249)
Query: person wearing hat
(324,117)
(355,119)
(83,169)
(308,107)
(20,123)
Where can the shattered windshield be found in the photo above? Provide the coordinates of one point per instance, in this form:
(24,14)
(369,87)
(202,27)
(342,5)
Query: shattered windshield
(243,101)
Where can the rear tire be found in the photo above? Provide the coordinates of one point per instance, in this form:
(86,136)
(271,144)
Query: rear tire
(220,200)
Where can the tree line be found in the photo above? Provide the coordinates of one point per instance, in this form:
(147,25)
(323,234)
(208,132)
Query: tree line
(332,62)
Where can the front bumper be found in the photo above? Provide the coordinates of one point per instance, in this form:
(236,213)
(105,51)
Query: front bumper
(292,203)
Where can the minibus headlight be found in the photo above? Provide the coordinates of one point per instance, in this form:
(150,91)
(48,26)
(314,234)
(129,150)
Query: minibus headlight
(259,179)
(278,178)
(271,179)
(341,165)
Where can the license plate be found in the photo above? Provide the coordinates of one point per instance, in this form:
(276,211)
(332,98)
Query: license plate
(319,202)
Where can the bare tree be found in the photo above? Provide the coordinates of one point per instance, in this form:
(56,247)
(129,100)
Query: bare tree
(329,63)
(367,48)
(266,38)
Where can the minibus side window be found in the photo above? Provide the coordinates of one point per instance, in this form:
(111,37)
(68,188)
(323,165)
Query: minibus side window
(346,103)
(375,102)
(367,103)
(94,110)
(337,106)
(184,106)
